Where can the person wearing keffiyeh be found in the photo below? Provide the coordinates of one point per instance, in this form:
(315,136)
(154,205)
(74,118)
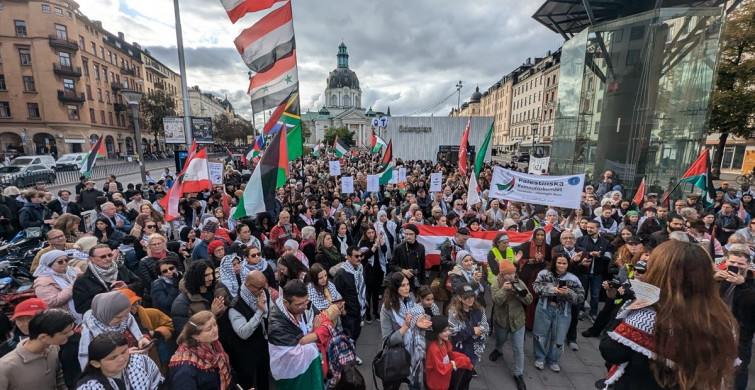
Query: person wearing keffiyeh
(350,283)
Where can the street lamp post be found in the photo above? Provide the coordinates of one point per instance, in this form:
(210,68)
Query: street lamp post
(133,98)
(534,133)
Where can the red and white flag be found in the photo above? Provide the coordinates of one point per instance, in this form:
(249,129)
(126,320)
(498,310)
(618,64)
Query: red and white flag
(480,243)
(194,177)
(640,195)
(271,87)
(236,9)
(463,149)
(267,40)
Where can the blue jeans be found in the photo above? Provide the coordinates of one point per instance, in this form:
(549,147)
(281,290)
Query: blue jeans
(592,283)
(517,345)
(548,333)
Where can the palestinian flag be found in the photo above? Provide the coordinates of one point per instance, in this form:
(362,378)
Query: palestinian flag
(354,156)
(483,150)
(388,155)
(253,152)
(386,174)
(97,151)
(480,243)
(640,194)
(303,366)
(699,175)
(295,144)
(376,144)
(339,148)
(269,175)
(317,150)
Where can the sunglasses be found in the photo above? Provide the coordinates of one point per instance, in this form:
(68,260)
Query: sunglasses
(150,226)
(107,256)
(63,261)
(254,255)
(169,269)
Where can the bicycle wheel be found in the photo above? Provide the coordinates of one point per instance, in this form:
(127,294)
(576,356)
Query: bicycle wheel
(742,180)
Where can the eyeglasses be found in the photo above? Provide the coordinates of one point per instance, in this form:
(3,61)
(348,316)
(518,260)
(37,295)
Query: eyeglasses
(150,226)
(357,256)
(169,269)
(57,237)
(254,255)
(107,256)
(567,238)
(62,261)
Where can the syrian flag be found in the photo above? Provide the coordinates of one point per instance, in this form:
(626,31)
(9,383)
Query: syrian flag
(463,149)
(640,195)
(286,114)
(269,88)
(376,144)
(269,174)
(699,175)
(317,150)
(339,148)
(236,9)
(385,175)
(268,40)
(480,243)
(97,151)
(388,155)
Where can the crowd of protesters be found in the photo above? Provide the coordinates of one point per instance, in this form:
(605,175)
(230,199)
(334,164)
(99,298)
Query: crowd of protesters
(126,299)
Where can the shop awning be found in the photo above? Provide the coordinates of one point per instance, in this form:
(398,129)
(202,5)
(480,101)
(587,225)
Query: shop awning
(74,137)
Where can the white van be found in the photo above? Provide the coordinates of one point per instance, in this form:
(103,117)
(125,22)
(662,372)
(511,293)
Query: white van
(70,161)
(45,160)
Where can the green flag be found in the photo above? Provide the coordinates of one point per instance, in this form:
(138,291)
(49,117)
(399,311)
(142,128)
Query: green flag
(386,174)
(483,150)
(293,138)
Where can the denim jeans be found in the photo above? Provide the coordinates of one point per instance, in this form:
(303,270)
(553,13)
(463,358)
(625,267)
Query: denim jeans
(517,345)
(592,283)
(551,324)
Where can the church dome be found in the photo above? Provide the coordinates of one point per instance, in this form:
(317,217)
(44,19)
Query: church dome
(476,96)
(343,77)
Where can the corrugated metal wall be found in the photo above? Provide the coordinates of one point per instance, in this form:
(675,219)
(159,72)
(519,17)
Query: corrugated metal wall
(444,130)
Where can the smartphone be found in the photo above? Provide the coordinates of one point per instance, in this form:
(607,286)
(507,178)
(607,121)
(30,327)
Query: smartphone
(149,345)
(733,268)
(561,283)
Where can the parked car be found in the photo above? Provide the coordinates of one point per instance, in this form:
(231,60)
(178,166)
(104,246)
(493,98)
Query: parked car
(26,176)
(44,160)
(70,161)
(521,157)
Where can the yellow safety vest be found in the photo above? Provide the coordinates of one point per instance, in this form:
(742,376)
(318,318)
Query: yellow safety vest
(630,276)
(509,256)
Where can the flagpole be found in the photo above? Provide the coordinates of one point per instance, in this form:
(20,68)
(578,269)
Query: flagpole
(182,69)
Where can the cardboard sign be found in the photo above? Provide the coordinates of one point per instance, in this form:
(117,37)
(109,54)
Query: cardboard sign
(373,183)
(216,172)
(436,181)
(335,168)
(347,185)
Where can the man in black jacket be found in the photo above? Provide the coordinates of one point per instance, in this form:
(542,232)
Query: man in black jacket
(64,204)
(88,197)
(675,224)
(409,258)
(727,222)
(449,249)
(350,283)
(593,269)
(103,274)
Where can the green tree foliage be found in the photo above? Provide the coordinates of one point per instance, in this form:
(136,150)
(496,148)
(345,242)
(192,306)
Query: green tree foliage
(305,132)
(733,105)
(343,133)
(152,108)
(231,131)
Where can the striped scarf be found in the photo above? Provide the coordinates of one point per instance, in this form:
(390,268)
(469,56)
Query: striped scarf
(206,359)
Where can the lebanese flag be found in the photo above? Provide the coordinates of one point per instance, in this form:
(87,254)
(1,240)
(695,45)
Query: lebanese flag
(267,40)
(463,149)
(480,243)
(236,9)
(170,202)
(640,195)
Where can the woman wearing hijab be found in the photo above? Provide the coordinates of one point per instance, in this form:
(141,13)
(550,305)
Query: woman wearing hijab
(388,229)
(466,271)
(327,254)
(111,366)
(291,247)
(54,282)
(229,266)
(110,311)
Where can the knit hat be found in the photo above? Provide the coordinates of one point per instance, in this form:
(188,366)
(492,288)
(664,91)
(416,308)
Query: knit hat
(507,223)
(106,306)
(210,226)
(460,255)
(412,227)
(506,267)
(215,244)
(29,307)
(184,234)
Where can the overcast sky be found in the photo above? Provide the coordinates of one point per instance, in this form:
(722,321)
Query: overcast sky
(408,54)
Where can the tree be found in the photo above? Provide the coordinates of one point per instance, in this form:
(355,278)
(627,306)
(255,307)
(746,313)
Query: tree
(153,107)
(733,103)
(223,129)
(343,133)
(305,133)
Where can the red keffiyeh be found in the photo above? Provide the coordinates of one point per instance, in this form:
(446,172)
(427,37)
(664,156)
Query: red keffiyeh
(205,358)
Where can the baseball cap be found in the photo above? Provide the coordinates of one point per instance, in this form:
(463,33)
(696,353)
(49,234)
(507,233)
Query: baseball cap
(633,240)
(29,307)
(465,291)
(463,231)
(132,297)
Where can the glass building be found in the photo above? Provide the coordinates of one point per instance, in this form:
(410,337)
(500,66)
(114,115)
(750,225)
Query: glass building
(633,96)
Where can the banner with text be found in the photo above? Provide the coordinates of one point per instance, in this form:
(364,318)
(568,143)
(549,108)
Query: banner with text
(539,166)
(560,191)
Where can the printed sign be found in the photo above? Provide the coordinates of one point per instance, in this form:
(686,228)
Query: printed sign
(394,178)
(347,185)
(335,168)
(373,183)
(402,174)
(201,128)
(436,181)
(174,130)
(216,172)
(539,166)
(559,191)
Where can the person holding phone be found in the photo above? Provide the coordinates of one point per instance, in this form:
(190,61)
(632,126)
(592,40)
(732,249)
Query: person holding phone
(467,271)
(558,290)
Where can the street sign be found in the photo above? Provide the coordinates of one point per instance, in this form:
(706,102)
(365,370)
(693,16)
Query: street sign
(383,122)
(375,122)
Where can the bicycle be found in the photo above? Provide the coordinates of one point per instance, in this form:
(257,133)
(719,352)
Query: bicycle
(746,178)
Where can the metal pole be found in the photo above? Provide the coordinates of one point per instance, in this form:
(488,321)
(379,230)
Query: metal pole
(138,135)
(458,98)
(182,69)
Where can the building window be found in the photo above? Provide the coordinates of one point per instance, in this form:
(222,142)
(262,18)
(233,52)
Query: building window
(107,97)
(637,32)
(33,109)
(99,94)
(102,52)
(25,55)
(82,44)
(102,117)
(20,28)
(65,59)
(94,48)
(69,15)
(45,8)
(68,85)
(4,110)
(85,65)
(633,57)
(58,11)
(29,84)
(89,92)
(104,74)
(73,112)
(61,31)
(96,68)
(91,116)
(110,118)
(2,82)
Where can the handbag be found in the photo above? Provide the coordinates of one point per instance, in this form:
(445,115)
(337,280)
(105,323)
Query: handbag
(33,232)
(392,364)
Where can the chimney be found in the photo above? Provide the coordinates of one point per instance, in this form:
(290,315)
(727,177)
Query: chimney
(529,61)
(121,36)
(136,45)
(549,53)
(98,24)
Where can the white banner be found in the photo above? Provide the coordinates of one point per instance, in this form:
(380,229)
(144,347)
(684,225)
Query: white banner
(347,185)
(216,172)
(335,168)
(436,180)
(538,166)
(373,183)
(560,191)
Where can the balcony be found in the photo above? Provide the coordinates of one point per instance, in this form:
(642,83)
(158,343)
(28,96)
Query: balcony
(116,86)
(63,43)
(70,96)
(128,71)
(119,107)
(160,86)
(155,68)
(66,70)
